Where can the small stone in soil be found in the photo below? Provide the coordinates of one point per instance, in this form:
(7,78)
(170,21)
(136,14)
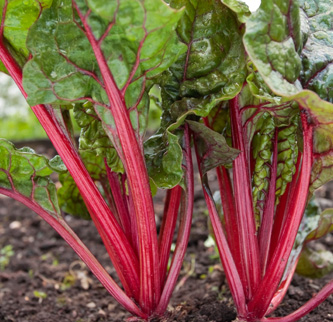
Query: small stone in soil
(91,305)
(15,225)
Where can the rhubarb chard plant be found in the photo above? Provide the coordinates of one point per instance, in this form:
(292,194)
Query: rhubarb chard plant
(251,93)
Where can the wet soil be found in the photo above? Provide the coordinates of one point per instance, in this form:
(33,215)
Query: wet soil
(44,280)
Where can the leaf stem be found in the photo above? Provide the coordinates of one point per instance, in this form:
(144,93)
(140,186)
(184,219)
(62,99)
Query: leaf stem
(168,226)
(266,226)
(308,306)
(115,241)
(137,177)
(249,250)
(267,287)
(184,228)
(229,266)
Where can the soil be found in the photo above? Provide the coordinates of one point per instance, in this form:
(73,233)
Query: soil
(44,280)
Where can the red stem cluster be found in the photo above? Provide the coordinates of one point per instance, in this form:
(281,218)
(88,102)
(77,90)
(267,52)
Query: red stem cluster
(255,262)
(129,230)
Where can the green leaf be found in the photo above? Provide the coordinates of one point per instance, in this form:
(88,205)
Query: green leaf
(70,199)
(315,224)
(93,138)
(164,157)
(288,149)
(212,147)
(322,170)
(213,68)
(270,47)
(262,143)
(239,7)
(27,173)
(19,17)
(317,53)
(323,226)
(292,48)
(315,263)
(140,44)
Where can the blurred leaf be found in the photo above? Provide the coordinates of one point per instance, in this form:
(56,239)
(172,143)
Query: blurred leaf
(315,264)
(315,224)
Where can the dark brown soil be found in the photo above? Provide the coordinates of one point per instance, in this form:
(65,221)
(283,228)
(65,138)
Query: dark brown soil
(46,282)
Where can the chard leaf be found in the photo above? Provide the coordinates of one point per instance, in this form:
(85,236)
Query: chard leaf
(70,199)
(273,40)
(213,67)
(136,37)
(315,224)
(288,149)
(323,226)
(19,16)
(164,158)
(322,170)
(24,172)
(317,53)
(93,138)
(315,263)
(262,153)
(212,70)
(212,147)
(263,113)
(239,7)
(292,47)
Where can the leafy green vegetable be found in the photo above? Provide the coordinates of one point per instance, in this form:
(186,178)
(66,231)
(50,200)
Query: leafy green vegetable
(27,173)
(315,264)
(315,225)
(212,147)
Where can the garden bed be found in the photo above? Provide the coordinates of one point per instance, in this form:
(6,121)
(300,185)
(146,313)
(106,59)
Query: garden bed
(46,281)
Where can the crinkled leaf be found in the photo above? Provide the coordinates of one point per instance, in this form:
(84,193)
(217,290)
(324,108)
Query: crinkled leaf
(93,138)
(288,149)
(164,157)
(315,263)
(258,86)
(27,173)
(64,68)
(273,48)
(213,68)
(239,7)
(262,114)
(19,17)
(292,48)
(212,147)
(317,52)
(262,150)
